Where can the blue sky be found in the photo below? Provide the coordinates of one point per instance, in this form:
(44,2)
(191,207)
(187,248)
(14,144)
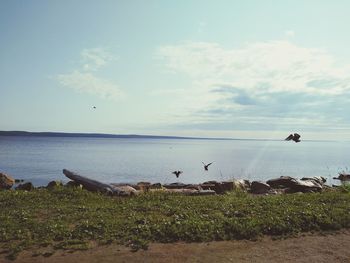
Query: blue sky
(243,69)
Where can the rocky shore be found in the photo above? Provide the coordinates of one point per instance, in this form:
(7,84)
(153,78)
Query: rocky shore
(281,185)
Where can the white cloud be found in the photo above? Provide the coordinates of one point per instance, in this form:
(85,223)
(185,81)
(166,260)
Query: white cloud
(84,79)
(88,83)
(280,64)
(95,58)
(264,79)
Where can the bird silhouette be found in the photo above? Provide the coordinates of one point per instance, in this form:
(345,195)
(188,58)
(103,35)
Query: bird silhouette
(206,165)
(295,137)
(177,173)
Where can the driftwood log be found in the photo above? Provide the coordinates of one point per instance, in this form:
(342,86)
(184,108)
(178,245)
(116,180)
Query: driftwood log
(92,185)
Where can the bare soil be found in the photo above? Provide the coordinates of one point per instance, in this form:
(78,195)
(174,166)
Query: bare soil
(328,248)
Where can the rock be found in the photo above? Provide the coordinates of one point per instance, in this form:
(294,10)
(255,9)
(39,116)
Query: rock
(156,186)
(26,186)
(218,187)
(343,177)
(227,186)
(54,184)
(259,188)
(204,192)
(194,186)
(296,185)
(6,181)
(190,191)
(207,186)
(307,186)
(175,185)
(282,182)
(73,184)
(318,179)
(144,186)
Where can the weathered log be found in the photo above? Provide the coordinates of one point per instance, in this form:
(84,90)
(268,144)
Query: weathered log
(92,185)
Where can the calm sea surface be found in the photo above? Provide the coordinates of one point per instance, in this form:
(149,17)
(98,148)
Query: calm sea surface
(41,159)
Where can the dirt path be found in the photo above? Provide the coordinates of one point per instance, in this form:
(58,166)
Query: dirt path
(309,248)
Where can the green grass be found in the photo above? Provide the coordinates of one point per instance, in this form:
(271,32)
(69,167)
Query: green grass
(66,218)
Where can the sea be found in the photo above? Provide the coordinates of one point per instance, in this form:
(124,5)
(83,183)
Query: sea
(130,160)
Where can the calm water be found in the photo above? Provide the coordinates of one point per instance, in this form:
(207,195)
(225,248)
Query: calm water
(41,159)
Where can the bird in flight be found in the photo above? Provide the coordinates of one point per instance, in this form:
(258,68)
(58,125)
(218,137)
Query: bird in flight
(94,107)
(206,165)
(295,137)
(177,173)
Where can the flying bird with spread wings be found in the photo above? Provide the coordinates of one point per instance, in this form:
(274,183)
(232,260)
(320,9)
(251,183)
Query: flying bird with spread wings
(291,137)
(177,173)
(206,166)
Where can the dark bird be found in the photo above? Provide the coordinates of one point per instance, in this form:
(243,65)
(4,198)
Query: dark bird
(177,173)
(295,137)
(94,107)
(206,165)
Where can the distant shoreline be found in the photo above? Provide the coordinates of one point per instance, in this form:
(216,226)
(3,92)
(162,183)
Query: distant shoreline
(106,135)
(132,136)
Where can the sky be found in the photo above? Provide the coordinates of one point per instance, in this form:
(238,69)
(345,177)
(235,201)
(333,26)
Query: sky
(237,69)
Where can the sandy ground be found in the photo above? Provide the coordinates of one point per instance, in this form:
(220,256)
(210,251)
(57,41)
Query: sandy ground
(308,248)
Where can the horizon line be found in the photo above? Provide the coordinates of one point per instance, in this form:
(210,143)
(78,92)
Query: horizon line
(135,136)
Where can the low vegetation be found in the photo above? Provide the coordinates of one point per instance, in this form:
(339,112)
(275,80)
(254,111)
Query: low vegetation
(66,218)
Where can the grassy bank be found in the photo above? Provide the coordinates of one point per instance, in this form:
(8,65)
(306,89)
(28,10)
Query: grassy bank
(70,218)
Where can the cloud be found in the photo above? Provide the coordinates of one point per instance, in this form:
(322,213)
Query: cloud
(85,80)
(95,58)
(88,83)
(281,65)
(268,82)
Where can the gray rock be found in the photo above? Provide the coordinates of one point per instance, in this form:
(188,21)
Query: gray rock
(54,184)
(282,182)
(318,179)
(156,186)
(218,187)
(293,185)
(73,184)
(260,188)
(143,186)
(176,185)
